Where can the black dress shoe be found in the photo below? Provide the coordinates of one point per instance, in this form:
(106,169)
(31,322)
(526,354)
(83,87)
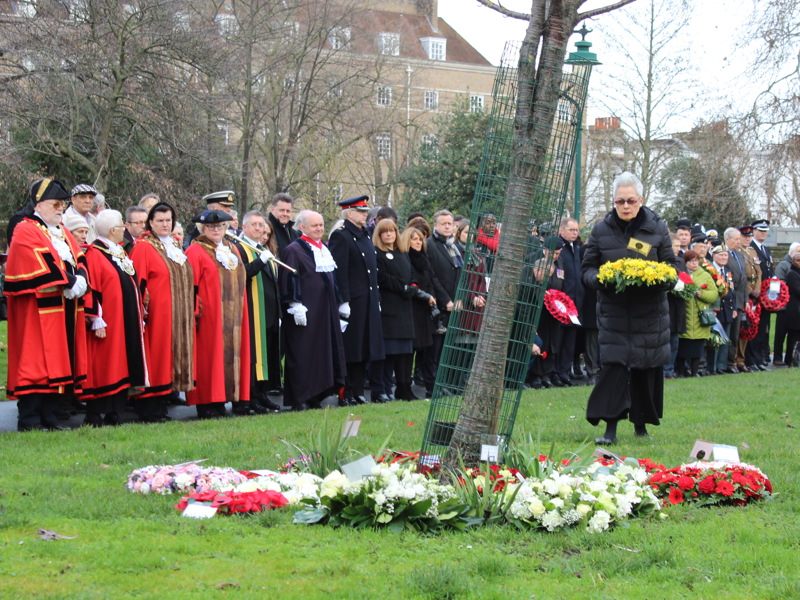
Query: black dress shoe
(361,400)
(604,441)
(300,407)
(380,399)
(269,404)
(346,402)
(50,426)
(556,382)
(92,421)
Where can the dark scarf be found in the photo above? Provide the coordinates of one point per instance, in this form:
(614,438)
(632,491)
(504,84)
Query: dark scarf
(452,249)
(629,228)
(421,269)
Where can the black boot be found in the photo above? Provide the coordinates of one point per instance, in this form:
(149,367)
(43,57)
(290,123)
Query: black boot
(610,436)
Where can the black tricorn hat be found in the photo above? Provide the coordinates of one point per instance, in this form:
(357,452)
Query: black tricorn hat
(47,189)
(212,216)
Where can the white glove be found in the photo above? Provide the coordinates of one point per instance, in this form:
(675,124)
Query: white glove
(266,255)
(299,312)
(78,288)
(343,325)
(344,310)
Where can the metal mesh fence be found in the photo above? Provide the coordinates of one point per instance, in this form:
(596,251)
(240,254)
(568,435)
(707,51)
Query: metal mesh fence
(487,350)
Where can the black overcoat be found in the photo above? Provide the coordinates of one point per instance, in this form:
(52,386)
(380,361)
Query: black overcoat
(446,271)
(394,280)
(357,274)
(793,306)
(634,326)
(425,278)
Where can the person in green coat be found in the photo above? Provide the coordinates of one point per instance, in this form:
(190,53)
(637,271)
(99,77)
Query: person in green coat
(693,340)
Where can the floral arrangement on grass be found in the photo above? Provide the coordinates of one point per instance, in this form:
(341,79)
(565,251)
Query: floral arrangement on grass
(393,496)
(259,492)
(685,287)
(707,483)
(169,479)
(770,300)
(635,272)
(593,498)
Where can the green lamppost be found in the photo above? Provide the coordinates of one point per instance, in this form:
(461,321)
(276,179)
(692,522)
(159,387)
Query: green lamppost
(588,59)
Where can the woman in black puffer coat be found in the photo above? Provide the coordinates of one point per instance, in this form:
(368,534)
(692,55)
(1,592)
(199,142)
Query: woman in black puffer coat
(634,326)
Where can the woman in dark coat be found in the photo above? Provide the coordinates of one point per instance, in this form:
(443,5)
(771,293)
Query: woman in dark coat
(397,293)
(424,323)
(634,325)
(792,318)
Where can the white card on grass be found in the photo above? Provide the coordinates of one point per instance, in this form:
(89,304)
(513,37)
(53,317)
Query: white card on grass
(199,510)
(358,469)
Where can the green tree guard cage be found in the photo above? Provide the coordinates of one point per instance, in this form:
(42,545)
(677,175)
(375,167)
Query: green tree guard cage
(524,176)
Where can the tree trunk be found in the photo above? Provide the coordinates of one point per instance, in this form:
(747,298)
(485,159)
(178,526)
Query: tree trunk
(537,101)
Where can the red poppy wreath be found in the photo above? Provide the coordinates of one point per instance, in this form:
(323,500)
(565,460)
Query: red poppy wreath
(752,313)
(769,300)
(560,306)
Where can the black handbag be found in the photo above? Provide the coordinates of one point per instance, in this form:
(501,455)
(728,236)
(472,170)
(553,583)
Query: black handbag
(707,317)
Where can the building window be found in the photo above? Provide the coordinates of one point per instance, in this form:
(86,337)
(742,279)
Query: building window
(383,142)
(25,9)
(435,48)
(431,99)
(429,143)
(384,95)
(476,103)
(226,24)
(339,38)
(389,44)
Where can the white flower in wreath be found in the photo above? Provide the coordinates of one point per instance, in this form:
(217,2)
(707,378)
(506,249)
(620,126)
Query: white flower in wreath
(332,485)
(599,522)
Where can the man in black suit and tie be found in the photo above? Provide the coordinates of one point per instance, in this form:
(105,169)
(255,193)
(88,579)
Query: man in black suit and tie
(759,346)
(738,268)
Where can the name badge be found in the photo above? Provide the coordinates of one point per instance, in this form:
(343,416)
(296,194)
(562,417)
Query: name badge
(639,246)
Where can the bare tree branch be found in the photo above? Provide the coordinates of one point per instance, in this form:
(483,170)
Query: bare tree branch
(603,9)
(496,6)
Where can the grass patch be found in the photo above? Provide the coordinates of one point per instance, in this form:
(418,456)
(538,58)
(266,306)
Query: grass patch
(140,547)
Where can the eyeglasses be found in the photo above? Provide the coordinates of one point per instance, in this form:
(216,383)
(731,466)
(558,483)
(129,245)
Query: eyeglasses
(136,222)
(58,203)
(628,201)
(215,226)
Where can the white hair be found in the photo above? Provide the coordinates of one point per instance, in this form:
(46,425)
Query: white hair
(105,220)
(303,215)
(730,232)
(625,179)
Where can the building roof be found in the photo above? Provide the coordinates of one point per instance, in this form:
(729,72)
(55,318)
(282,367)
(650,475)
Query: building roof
(411,29)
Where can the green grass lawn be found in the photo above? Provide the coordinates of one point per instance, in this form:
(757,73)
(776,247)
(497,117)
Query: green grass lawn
(128,545)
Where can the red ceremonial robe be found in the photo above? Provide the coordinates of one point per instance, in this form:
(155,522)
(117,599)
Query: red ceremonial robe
(116,362)
(223,346)
(167,289)
(46,331)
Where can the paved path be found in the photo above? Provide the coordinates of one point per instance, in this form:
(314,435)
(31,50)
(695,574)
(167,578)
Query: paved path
(8,412)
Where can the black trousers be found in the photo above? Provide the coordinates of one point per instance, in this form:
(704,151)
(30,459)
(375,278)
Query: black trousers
(354,382)
(37,410)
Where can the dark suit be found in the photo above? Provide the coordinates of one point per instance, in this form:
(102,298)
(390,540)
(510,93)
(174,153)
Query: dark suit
(757,351)
(738,267)
(357,275)
(284,234)
(570,263)
(448,273)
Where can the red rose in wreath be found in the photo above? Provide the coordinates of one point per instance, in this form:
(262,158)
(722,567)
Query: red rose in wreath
(753,314)
(560,306)
(769,300)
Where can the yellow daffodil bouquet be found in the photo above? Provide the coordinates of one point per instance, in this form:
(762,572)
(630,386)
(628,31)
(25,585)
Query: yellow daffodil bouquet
(635,272)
